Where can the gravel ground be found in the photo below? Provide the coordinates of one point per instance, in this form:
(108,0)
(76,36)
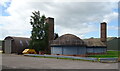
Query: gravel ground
(22,62)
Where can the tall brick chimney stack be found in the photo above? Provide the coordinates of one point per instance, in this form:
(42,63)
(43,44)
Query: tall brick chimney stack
(50,22)
(103,32)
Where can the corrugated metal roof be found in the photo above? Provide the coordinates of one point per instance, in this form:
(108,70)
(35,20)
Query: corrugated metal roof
(18,43)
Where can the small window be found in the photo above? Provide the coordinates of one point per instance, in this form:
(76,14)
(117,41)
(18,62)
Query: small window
(27,42)
(21,43)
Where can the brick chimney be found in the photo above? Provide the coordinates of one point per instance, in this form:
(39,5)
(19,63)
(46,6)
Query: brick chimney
(50,22)
(103,32)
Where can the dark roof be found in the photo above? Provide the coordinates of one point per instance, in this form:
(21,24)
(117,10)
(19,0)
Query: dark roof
(94,42)
(18,43)
(17,38)
(68,39)
(24,40)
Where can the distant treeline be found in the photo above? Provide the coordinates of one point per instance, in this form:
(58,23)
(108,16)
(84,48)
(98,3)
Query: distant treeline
(0,42)
(113,44)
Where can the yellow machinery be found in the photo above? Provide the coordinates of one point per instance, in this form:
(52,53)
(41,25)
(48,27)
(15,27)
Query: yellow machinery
(29,51)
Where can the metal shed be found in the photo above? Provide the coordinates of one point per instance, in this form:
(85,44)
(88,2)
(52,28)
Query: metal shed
(15,44)
(68,44)
(95,46)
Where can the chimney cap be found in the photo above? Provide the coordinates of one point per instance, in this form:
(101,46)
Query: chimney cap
(50,18)
(103,23)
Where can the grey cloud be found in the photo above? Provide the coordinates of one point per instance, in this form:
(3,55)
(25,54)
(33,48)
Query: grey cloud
(72,17)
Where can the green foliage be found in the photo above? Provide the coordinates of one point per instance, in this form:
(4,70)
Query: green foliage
(56,36)
(39,33)
(113,44)
(0,42)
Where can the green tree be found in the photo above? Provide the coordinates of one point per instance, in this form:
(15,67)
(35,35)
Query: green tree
(39,33)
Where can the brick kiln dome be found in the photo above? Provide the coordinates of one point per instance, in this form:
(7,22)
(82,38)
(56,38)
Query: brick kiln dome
(67,40)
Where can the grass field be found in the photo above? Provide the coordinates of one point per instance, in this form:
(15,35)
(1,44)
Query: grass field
(109,54)
(62,58)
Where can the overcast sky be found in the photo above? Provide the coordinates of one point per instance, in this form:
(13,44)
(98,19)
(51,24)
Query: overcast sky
(81,18)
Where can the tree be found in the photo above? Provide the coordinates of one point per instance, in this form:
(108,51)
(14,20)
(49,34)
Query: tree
(39,33)
(56,36)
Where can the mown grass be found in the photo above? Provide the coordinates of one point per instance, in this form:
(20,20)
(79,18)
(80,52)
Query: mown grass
(75,59)
(109,54)
(62,58)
